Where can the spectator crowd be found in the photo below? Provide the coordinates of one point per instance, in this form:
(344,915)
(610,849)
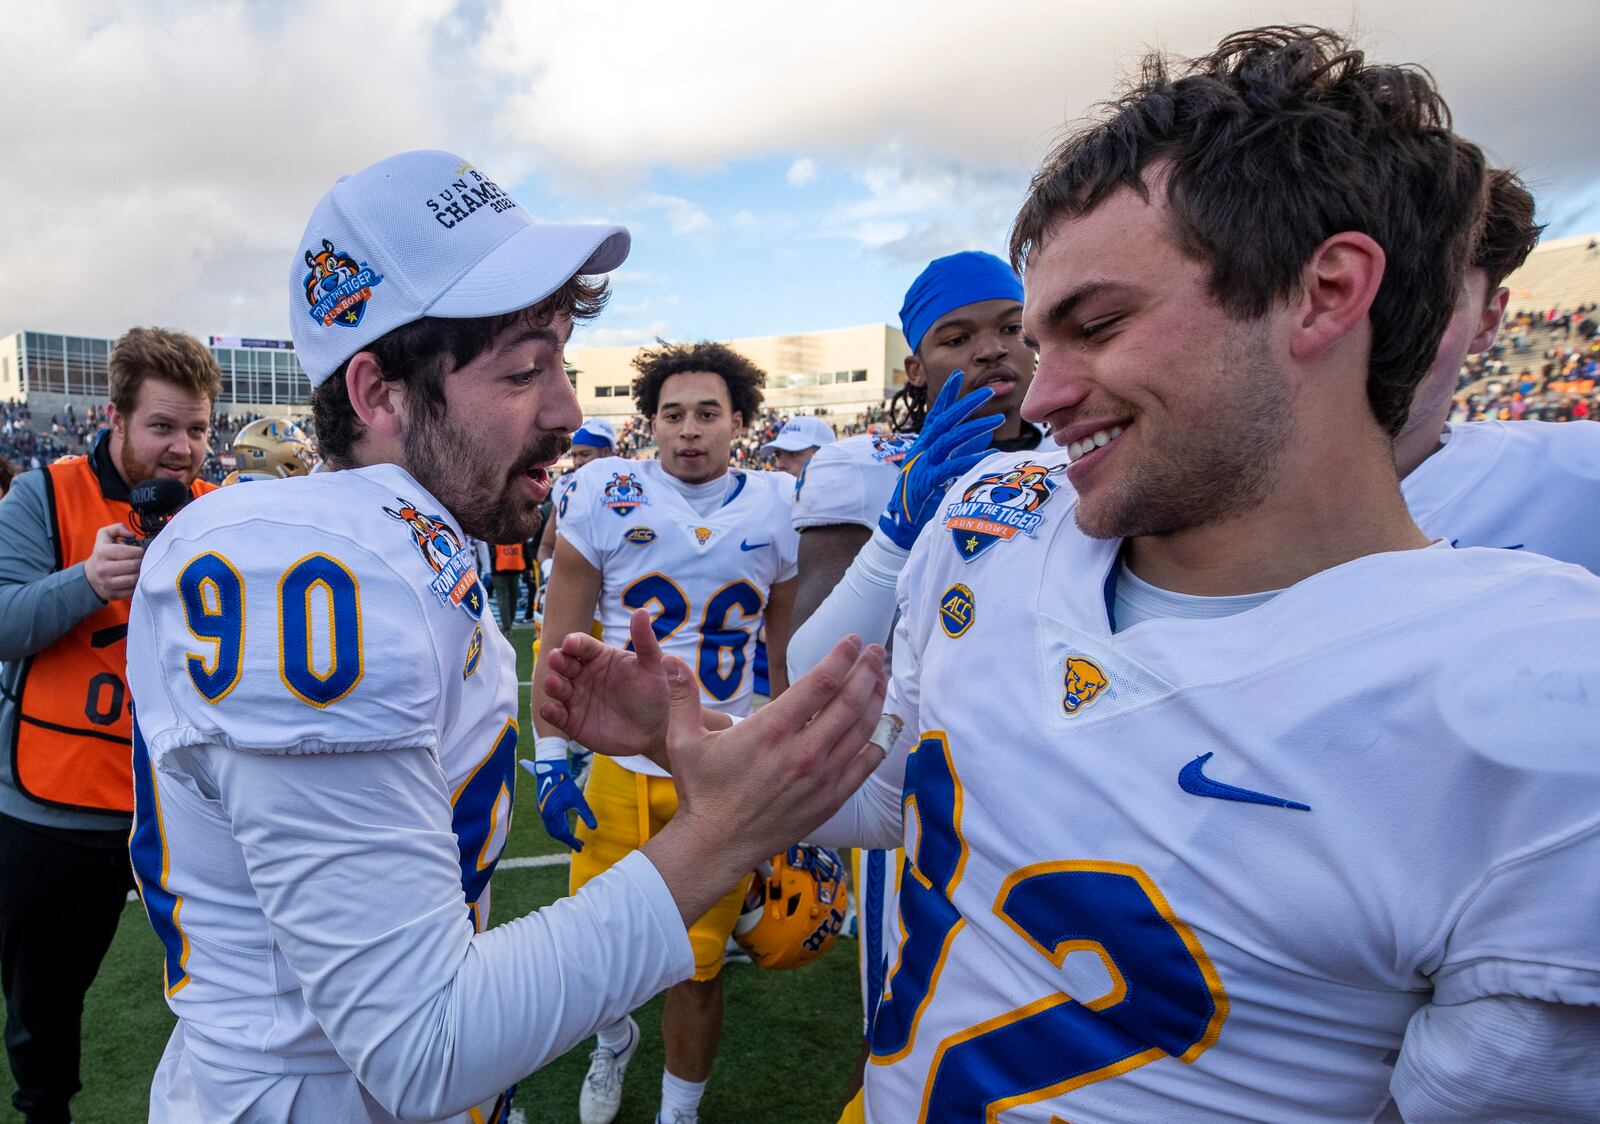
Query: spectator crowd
(1544,366)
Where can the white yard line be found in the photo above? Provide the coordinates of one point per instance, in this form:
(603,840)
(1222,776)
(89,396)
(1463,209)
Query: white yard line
(523,862)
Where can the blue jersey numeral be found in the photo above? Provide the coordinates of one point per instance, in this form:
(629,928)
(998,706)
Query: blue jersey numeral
(319,590)
(212,594)
(320,653)
(480,814)
(1165,1000)
(721,655)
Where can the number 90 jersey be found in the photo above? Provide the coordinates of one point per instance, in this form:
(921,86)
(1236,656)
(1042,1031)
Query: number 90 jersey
(338,612)
(1208,869)
(706,580)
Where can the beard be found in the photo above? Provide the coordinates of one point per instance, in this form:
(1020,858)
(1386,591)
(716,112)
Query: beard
(1220,462)
(138,470)
(474,479)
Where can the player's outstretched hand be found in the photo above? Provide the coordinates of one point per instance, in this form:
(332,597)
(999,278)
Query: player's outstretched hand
(951,442)
(747,792)
(606,698)
(558,795)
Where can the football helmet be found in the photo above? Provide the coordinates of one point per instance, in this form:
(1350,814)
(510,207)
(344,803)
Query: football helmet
(271,447)
(795,908)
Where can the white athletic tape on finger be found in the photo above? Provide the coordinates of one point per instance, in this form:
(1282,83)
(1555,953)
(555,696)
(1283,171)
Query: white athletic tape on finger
(887,731)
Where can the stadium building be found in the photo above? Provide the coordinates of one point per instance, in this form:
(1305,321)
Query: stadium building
(48,370)
(839,372)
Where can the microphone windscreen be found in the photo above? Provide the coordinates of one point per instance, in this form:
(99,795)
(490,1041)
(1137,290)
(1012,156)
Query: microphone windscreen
(154,501)
(159,495)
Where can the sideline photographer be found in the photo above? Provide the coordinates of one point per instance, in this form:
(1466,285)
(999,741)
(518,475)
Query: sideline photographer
(69,560)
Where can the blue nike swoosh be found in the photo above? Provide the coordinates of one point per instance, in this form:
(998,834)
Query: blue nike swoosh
(744,545)
(1193,781)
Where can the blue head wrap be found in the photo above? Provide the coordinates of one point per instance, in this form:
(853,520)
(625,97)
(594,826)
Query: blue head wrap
(950,283)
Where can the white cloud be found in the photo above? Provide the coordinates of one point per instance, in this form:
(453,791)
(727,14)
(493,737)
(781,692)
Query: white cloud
(803,172)
(160,160)
(910,213)
(682,216)
(621,337)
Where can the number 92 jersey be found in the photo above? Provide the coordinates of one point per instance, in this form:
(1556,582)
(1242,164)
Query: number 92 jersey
(338,612)
(705,579)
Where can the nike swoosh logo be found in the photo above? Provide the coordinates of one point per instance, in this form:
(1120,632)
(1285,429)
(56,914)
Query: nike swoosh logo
(1192,779)
(1513,546)
(746,545)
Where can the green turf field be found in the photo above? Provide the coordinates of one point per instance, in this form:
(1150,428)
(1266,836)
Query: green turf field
(789,1039)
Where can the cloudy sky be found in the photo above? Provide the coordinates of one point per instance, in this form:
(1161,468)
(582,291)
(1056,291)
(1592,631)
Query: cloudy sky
(780,171)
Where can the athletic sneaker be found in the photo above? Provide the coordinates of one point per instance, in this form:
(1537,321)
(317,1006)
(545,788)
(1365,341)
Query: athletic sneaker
(601,1095)
(679,1117)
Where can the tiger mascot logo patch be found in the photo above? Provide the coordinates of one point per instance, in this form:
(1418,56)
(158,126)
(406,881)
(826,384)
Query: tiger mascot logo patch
(996,506)
(337,286)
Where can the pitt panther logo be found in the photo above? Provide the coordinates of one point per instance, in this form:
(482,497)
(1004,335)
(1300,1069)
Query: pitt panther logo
(640,536)
(1083,683)
(702,535)
(623,492)
(998,505)
(337,286)
(892,448)
(956,611)
(455,571)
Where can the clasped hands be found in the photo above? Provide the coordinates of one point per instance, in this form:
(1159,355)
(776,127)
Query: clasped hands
(769,779)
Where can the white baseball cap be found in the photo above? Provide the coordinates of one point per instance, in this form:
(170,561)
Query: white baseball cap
(426,234)
(596,431)
(802,432)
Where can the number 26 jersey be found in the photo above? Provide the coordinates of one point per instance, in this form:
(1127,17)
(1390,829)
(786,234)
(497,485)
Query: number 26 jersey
(706,580)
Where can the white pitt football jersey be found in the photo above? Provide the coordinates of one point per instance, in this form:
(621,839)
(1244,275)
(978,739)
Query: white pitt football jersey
(1209,869)
(706,580)
(1525,485)
(333,613)
(849,481)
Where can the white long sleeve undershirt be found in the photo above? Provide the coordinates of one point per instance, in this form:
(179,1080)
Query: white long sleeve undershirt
(356,867)
(863,603)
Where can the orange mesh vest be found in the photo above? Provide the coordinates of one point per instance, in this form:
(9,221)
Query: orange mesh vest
(508,557)
(73,732)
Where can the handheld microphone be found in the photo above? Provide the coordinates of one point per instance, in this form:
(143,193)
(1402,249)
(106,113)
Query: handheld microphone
(155,501)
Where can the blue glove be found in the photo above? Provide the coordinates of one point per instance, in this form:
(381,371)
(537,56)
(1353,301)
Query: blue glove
(950,443)
(557,796)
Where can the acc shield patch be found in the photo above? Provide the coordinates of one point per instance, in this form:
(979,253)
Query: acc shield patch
(623,493)
(956,611)
(1082,683)
(998,505)
(639,536)
(474,652)
(455,571)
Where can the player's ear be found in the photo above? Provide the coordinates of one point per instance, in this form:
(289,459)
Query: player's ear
(377,401)
(1338,285)
(916,375)
(1493,315)
(738,421)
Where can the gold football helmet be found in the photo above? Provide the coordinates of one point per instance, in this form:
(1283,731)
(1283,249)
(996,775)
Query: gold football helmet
(269,448)
(795,908)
